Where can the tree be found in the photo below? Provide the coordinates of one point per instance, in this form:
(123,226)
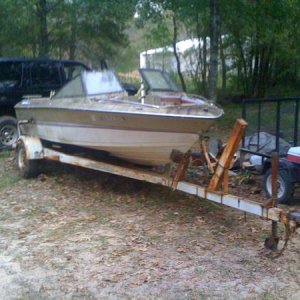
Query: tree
(86,29)
(191,17)
(151,10)
(261,40)
(214,48)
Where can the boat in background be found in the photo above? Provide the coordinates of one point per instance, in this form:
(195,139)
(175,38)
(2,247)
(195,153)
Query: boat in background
(94,111)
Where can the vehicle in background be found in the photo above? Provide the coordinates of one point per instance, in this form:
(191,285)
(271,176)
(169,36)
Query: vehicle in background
(20,77)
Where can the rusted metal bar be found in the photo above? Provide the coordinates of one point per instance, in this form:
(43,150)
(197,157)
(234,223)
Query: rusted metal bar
(274,213)
(127,171)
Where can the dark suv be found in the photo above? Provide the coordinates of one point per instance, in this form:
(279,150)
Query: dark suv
(20,77)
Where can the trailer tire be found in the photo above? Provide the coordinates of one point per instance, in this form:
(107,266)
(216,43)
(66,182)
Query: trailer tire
(8,132)
(28,168)
(285,186)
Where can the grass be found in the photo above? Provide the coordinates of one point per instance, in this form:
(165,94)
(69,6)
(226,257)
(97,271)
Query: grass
(5,216)
(232,112)
(280,231)
(264,235)
(188,213)
(199,271)
(209,207)
(170,216)
(8,176)
(204,296)
(5,154)
(8,180)
(103,239)
(225,271)
(246,262)
(224,125)
(109,199)
(266,295)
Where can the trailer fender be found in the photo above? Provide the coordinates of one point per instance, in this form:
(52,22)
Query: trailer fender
(33,146)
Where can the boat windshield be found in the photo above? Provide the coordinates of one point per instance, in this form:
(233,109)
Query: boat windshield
(158,80)
(91,83)
(104,82)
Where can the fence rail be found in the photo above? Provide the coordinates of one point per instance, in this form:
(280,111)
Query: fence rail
(278,116)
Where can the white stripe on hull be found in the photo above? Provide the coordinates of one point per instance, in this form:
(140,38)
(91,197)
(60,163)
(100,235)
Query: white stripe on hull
(142,147)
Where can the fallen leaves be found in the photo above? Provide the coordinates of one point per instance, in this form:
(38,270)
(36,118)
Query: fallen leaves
(173,242)
(182,249)
(141,279)
(114,278)
(130,226)
(80,238)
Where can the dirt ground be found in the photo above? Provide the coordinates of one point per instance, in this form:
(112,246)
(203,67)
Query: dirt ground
(79,234)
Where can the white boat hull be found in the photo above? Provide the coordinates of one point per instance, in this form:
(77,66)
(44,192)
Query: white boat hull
(141,147)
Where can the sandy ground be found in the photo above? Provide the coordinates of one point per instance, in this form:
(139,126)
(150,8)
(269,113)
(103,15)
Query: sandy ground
(78,234)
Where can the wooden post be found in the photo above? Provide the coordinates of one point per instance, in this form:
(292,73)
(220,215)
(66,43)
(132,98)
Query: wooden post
(227,156)
(181,169)
(275,166)
(274,232)
(225,182)
(205,151)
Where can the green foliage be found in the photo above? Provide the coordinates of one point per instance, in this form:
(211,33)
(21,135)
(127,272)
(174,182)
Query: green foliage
(260,39)
(84,29)
(260,42)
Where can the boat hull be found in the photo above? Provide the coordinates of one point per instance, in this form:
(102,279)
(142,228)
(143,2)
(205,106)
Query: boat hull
(140,147)
(138,137)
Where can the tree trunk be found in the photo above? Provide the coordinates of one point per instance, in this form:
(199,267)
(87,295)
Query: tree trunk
(176,54)
(72,48)
(73,41)
(43,30)
(33,48)
(243,67)
(257,53)
(204,69)
(214,49)
(264,70)
(223,63)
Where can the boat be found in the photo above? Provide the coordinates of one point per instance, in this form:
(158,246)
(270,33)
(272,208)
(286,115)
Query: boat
(93,111)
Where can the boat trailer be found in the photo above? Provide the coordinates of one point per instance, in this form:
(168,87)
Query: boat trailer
(30,151)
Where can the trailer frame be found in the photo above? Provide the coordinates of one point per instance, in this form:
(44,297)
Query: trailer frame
(30,150)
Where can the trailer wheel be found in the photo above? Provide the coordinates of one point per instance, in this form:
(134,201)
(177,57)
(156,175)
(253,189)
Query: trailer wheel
(28,168)
(285,186)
